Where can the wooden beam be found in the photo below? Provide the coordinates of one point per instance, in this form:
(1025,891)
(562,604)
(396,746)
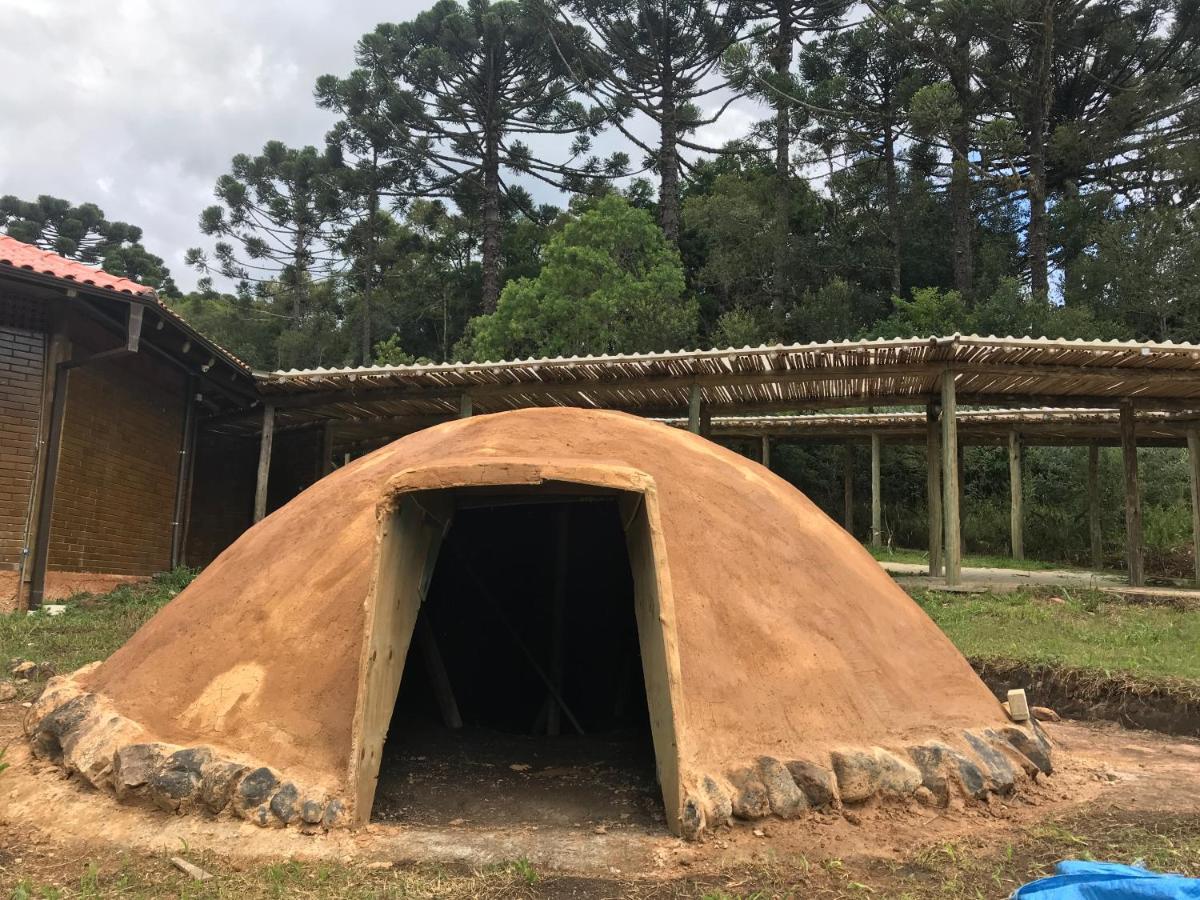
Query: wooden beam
(848,487)
(1193,436)
(765,454)
(694,409)
(264,462)
(45,506)
(465,406)
(950,482)
(1015,496)
(327,438)
(876,503)
(1133,499)
(1093,491)
(439,680)
(933,487)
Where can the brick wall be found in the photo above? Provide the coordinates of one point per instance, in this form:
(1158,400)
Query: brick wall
(115,499)
(222,494)
(22,370)
(224,482)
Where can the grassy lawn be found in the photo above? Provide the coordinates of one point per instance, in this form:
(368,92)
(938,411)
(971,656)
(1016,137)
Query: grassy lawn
(90,628)
(921,557)
(1088,630)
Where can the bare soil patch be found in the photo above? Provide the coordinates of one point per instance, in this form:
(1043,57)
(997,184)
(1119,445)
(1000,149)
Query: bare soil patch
(511,837)
(1169,706)
(475,777)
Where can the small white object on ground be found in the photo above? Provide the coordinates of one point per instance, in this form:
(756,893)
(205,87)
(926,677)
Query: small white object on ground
(1018,705)
(188,869)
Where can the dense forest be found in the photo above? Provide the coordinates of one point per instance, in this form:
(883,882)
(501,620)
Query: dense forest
(524,178)
(998,166)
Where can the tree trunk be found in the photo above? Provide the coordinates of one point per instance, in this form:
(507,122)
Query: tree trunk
(369,276)
(1039,265)
(893,204)
(962,216)
(490,251)
(300,285)
(781,58)
(668,158)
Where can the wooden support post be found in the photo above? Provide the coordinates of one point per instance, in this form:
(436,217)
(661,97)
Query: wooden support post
(950,481)
(264,462)
(443,691)
(694,409)
(1093,491)
(1133,498)
(465,406)
(1016,516)
(327,449)
(45,510)
(558,616)
(1193,439)
(848,487)
(765,456)
(933,487)
(876,504)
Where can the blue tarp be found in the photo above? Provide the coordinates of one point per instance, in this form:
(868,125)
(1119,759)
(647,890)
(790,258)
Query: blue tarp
(1077,880)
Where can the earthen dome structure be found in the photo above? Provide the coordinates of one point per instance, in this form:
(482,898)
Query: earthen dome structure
(781,667)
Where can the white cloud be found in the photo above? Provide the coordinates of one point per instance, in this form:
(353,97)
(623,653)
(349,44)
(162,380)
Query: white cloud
(139,105)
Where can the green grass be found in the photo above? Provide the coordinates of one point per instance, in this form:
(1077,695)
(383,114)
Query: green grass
(921,557)
(90,628)
(1090,630)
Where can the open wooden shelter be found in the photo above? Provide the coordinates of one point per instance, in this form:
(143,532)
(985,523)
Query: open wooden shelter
(1054,391)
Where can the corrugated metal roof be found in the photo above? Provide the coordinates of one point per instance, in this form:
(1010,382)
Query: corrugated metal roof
(1047,425)
(897,372)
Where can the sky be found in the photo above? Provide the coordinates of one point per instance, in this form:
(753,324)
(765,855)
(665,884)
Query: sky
(139,105)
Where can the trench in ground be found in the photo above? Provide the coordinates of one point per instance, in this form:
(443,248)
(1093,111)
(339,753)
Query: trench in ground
(493,590)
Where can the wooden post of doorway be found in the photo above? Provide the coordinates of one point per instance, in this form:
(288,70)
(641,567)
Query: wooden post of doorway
(264,462)
(765,456)
(950,510)
(933,486)
(1016,517)
(1133,498)
(1193,440)
(876,505)
(694,409)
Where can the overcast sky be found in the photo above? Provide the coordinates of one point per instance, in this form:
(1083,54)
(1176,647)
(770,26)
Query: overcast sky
(138,105)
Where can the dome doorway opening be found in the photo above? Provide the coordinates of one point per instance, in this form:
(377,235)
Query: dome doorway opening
(522,698)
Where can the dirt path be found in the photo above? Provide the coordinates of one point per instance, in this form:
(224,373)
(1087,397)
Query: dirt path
(46,819)
(979,579)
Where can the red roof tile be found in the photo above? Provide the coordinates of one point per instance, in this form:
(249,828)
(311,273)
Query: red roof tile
(20,255)
(25,256)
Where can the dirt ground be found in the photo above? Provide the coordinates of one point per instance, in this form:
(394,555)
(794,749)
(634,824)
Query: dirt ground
(476,777)
(48,821)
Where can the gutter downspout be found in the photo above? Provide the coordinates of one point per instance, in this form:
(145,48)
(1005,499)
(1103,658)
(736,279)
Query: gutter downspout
(186,445)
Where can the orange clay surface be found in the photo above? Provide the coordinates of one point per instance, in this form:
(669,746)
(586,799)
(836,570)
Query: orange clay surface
(791,638)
